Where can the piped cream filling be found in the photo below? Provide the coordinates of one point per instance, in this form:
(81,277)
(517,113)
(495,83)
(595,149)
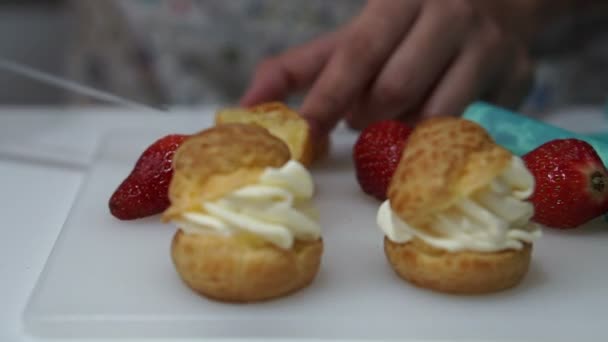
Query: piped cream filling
(495,218)
(277,209)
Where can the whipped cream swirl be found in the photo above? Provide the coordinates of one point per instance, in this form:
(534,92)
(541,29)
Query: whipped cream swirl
(497,217)
(277,208)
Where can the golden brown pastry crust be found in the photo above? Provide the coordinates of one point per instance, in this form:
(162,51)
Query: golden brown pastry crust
(218,151)
(232,269)
(458,273)
(446,159)
(281,121)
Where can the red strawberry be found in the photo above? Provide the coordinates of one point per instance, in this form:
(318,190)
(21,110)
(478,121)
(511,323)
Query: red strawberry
(145,191)
(376,155)
(571,183)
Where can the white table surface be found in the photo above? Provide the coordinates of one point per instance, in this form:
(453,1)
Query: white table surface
(44,153)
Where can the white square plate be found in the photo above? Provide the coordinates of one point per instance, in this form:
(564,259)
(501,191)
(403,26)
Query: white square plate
(108,278)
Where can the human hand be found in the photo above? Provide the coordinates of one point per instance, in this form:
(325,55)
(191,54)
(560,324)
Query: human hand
(403,59)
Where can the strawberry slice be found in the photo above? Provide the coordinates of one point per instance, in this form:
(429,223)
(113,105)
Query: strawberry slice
(145,191)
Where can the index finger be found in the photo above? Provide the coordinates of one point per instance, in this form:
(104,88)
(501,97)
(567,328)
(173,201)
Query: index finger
(358,57)
(277,77)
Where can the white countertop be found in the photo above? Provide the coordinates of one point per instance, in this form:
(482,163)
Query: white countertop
(44,153)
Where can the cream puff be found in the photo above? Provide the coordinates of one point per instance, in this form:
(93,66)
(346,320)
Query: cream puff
(247,230)
(280,121)
(457,219)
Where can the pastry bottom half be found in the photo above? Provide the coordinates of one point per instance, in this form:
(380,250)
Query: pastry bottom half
(243,268)
(463,272)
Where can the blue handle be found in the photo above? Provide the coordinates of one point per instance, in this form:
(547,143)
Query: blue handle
(521,134)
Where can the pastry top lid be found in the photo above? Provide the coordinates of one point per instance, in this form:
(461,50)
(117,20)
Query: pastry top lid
(445,159)
(218,160)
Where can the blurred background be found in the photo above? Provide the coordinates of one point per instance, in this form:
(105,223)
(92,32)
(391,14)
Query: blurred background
(37,33)
(192,52)
(176,52)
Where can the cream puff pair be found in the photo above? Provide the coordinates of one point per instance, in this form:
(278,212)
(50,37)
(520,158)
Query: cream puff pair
(457,219)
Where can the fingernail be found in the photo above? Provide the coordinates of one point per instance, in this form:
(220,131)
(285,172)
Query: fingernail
(428,113)
(316,128)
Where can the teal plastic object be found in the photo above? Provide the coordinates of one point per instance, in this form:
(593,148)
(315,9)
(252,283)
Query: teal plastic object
(599,136)
(521,134)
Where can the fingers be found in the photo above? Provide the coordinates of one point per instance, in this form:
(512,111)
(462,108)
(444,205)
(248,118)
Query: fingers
(417,64)
(515,85)
(471,73)
(275,78)
(359,56)
(400,59)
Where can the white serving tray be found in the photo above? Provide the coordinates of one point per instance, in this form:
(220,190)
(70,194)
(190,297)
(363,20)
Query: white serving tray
(107,278)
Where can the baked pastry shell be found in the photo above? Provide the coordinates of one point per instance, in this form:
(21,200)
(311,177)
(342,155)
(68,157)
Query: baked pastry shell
(236,269)
(465,272)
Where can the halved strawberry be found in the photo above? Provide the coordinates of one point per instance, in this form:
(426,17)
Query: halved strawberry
(571,183)
(377,153)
